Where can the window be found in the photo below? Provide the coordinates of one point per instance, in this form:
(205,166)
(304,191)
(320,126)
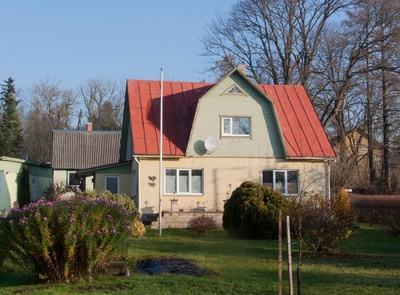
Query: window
(236,126)
(184,181)
(112,184)
(234,90)
(285,181)
(74,181)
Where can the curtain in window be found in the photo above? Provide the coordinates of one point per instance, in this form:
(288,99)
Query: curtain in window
(197,181)
(183,181)
(170,181)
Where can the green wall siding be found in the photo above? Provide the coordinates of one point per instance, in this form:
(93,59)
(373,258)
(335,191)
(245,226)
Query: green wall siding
(265,140)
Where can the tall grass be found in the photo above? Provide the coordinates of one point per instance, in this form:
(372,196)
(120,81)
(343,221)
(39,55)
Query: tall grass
(368,264)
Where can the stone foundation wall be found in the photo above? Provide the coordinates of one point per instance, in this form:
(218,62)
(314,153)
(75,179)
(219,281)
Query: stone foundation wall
(181,219)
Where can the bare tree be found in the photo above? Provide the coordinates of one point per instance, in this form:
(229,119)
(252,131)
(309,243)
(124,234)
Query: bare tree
(104,102)
(351,63)
(50,107)
(277,40)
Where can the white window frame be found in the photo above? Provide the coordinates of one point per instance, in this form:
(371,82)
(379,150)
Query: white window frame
(274,183)
(177,180)
(231,132)
(112,177)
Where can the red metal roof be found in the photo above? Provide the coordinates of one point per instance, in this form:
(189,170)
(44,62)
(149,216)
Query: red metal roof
(302,131)
(180,102)
(301,128)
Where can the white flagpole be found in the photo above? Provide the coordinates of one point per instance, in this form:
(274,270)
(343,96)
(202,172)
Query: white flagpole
(160,185)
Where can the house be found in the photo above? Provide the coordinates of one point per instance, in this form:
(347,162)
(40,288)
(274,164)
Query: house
(217,135)
(83,149)
(352,167)
(40,178)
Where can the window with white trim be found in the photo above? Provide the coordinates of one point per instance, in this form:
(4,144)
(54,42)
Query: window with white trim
(184,181)
(112,184)
(235,126)
(285,181)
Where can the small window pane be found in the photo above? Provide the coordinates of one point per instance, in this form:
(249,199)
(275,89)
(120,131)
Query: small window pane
(280,181)
(197,181)
(227,126)
(268,178)
(170,181)
(183,181)
(292,183)
(241,126)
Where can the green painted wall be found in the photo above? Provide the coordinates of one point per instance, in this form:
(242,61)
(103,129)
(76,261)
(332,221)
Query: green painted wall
(40,177)
(265,140)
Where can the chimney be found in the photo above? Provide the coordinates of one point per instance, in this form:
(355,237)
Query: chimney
(89,127)
(242,68)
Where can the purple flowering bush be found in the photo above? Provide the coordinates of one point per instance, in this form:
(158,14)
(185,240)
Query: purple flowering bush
(67,240)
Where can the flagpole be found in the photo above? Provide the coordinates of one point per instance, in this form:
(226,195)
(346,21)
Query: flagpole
(160,186)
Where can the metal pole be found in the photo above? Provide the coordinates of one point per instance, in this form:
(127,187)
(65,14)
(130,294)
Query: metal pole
(160,178)
(289,246)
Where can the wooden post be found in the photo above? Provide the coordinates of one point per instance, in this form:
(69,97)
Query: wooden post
(280,287)
(289,247)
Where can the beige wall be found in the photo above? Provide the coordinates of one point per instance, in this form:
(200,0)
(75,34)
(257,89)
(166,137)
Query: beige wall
(124,174)
(60,177)
(221,177)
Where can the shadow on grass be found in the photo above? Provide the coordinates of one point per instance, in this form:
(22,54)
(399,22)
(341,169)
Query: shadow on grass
(9,278)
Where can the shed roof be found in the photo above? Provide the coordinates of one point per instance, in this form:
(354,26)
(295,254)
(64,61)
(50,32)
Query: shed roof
(301,129)
(84,149)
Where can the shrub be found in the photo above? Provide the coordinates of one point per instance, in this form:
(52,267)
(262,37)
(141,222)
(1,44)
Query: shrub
(325,225)
(138,229)
(202,224)
(67,240)
(123,199)
(252,212)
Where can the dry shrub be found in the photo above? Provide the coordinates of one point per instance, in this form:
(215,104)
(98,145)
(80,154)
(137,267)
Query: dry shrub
(320,224)
(202,224)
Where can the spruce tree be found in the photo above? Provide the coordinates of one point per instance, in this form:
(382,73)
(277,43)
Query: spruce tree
(11,131)
(23,190)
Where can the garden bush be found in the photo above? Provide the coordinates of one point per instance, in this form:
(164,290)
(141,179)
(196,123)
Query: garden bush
(202,224)
(252,211)
(126,201)
(324,224)
(67,240)
(138,229)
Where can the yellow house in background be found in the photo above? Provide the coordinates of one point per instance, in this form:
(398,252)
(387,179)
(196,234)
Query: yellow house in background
(355,164)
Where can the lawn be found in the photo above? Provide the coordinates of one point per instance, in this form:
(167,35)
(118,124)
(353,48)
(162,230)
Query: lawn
(368,263)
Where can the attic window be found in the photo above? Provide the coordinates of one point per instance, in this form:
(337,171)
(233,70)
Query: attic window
(234,89)
(235,126)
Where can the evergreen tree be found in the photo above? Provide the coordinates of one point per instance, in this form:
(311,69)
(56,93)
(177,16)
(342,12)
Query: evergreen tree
(11,132)
(23,191)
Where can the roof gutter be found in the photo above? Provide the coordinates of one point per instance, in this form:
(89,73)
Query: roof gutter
(135,158)
(312,158)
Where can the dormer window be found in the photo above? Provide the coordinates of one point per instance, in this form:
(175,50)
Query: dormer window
(236,126)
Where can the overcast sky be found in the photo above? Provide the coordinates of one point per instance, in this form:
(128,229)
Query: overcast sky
(76,40)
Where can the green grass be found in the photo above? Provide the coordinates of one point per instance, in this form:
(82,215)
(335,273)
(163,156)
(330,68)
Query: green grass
(369,264)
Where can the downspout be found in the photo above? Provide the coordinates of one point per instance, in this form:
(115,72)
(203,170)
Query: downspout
(328,179)
(138,181)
